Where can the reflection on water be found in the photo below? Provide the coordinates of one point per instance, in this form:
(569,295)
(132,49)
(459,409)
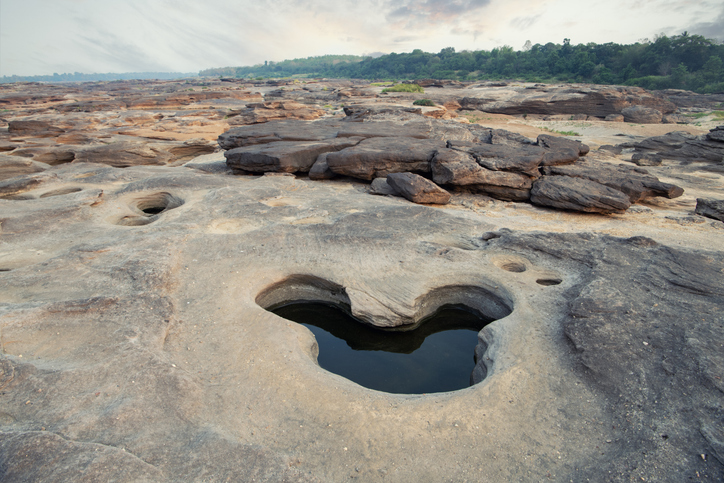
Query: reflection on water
(436,356)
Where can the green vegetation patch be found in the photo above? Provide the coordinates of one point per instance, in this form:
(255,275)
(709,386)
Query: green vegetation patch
(699,115)
(423,102)
(404,88)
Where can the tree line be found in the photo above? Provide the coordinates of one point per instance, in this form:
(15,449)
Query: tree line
(110,76)
(683,61)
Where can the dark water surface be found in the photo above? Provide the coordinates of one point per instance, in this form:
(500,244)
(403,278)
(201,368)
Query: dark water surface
(437,356)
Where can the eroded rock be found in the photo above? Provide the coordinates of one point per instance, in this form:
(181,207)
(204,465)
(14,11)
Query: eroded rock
(577,194)
(283,156)
(378,156)
(637,183)
(418,189)
(710,208)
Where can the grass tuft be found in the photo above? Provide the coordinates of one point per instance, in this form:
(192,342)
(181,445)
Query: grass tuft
(404,88)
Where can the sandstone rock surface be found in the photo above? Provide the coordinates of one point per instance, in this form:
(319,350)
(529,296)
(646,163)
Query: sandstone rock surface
(135,344)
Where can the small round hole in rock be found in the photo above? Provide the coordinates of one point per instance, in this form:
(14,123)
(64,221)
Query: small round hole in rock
(515,267)
(548,281)
(157,203)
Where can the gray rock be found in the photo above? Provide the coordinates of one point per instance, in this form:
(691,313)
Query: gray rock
(716,134)
(502,192)
(674,119)
(503,157)
(418,189)
(560,150)
(508,138)
(459,168)
(646,159)
(637,183)
(320,169)
(278,131)
(418,130)
(379,186)
(710,208)
(641,115)
(577,194)
(283,156)
(597,101)
(379,156)
(614,118)
(360,113)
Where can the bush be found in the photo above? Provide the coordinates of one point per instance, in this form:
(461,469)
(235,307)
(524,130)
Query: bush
(423,102)
(404,88)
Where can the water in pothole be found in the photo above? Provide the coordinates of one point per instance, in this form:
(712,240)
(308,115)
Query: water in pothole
(437,356)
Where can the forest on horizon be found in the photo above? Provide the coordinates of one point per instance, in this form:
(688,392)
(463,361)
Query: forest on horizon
(684,61)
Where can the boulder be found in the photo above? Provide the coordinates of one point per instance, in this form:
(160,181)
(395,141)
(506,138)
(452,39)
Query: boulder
(283,156)
(549,141)
(577,194)
(377,157)
(459,168)
(716,134)
(646,159)
(320,169)
(418,130)
(596,101)
(674,119)
(636,183)
(361,113)
(641,115)
(503,193)
(684,146)
(278,131)
(379,186)
(710,208)
(508,138)
(614,118)
(499,157)
(418,189)
(560,150)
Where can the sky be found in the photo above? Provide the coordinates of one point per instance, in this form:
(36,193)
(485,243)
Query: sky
(41,37)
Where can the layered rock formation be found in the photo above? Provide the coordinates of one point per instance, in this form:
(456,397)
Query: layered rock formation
(683,146)
(497,163)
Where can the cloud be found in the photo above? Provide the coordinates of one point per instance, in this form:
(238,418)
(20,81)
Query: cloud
(710,30)
(524,23)
(435,11)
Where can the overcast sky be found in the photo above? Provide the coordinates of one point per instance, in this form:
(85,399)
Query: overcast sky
(45,36)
